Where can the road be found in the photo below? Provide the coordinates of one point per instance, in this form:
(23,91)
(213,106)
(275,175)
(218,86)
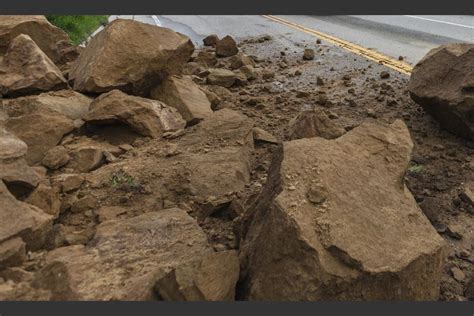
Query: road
(403,35)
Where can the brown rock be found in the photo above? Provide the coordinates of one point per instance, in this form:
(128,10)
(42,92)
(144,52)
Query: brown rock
(12,253)
(152,54)
(442,83)
(221,77)
(468,193)
(211,278)
(226,47)
(26,69)
(56,157)
(308,54)
(46,198)
(184,95)
(210,40)
(48,37)
(260,135)
(206,59)
(335,221)
(145,116)
(86,159)
(142,247)
(240,60)
(19,219)
(314,123)
(457,273)
(107,213)
(69,182)
(41,131)
(384,75)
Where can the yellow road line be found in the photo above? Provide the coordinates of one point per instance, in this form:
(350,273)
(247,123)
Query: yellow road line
(397,65)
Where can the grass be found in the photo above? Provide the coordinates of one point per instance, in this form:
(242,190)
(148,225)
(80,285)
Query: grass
(415,168)
(79,27)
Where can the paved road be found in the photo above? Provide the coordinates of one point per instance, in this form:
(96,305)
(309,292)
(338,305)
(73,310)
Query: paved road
(409,36)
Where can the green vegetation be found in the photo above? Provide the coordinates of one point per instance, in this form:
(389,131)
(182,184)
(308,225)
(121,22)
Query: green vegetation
(79,27)
(415,168)
(123,181)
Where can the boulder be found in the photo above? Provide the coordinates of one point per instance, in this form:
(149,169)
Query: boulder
(226,47)
(127,259)
(443,84)
(67,102)
(152,54)
(241,60)
(314,123)
(185,96)
(14,171)
(211,278)
(56,157)
(221,77)
(27,70)
(48,37)
(145,116)
(19,219)
(45,198)
(210,40)
(12,253)
(335,221)
(40,130)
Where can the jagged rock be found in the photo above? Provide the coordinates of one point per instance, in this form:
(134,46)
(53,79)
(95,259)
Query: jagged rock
(314,123)
(48,37)
(143,247)
(240,60)
(152,54)
(14,171)
(212,278)
(210,40)
(335,221)
(249,72)
(68,182)
(86,158)
(192,68)
(67,102)
(145,116)
(443,84)
(12,253)
(260,135)
(46,198)
(226,47)
(308,54)
(56,157)
(184,95)
(468,193)
(221,77)
(40,130)
(206,59)
(19,219)
(25,69)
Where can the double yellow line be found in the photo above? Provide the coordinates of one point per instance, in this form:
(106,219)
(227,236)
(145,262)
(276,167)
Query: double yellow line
(397,65)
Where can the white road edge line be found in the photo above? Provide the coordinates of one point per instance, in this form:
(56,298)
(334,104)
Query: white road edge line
(155,18)
(439,21)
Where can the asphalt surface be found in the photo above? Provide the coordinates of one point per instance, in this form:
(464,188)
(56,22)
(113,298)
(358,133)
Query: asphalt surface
(408,36)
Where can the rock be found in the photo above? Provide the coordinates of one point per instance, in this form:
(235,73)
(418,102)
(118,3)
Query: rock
(67,102)
(46,198)
(211,278)
(249,72)
(457,274)
(41,131)
(384,75)
(145,116)
(226,47)
(210,40)
(69,182)
(107,213)
(86,158)
(88,202)
(184,95)
(56,157)
(48,37)
(442,83)
(337,239)
(127,259)
(206,59)
(152,54)
(308,54)
(468,194)
(19,219)
(26,69)
(14,171)
(314,123)
(12,253)
(260,135)
(240,60)
(221,77)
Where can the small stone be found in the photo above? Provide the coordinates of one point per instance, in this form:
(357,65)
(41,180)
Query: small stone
(318,41)
(457,274)
(308,54)
(317,194)
(384,75)
(319,81)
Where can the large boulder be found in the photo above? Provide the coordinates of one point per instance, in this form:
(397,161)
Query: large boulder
(152,53)
(145,116)
(26,69)
(14,171)
(127,258)
(67,102)
(19,219)
(184,95)
(48,37)
(335,221)
(226,47)
(443,84)
(212,277)
(41,130)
